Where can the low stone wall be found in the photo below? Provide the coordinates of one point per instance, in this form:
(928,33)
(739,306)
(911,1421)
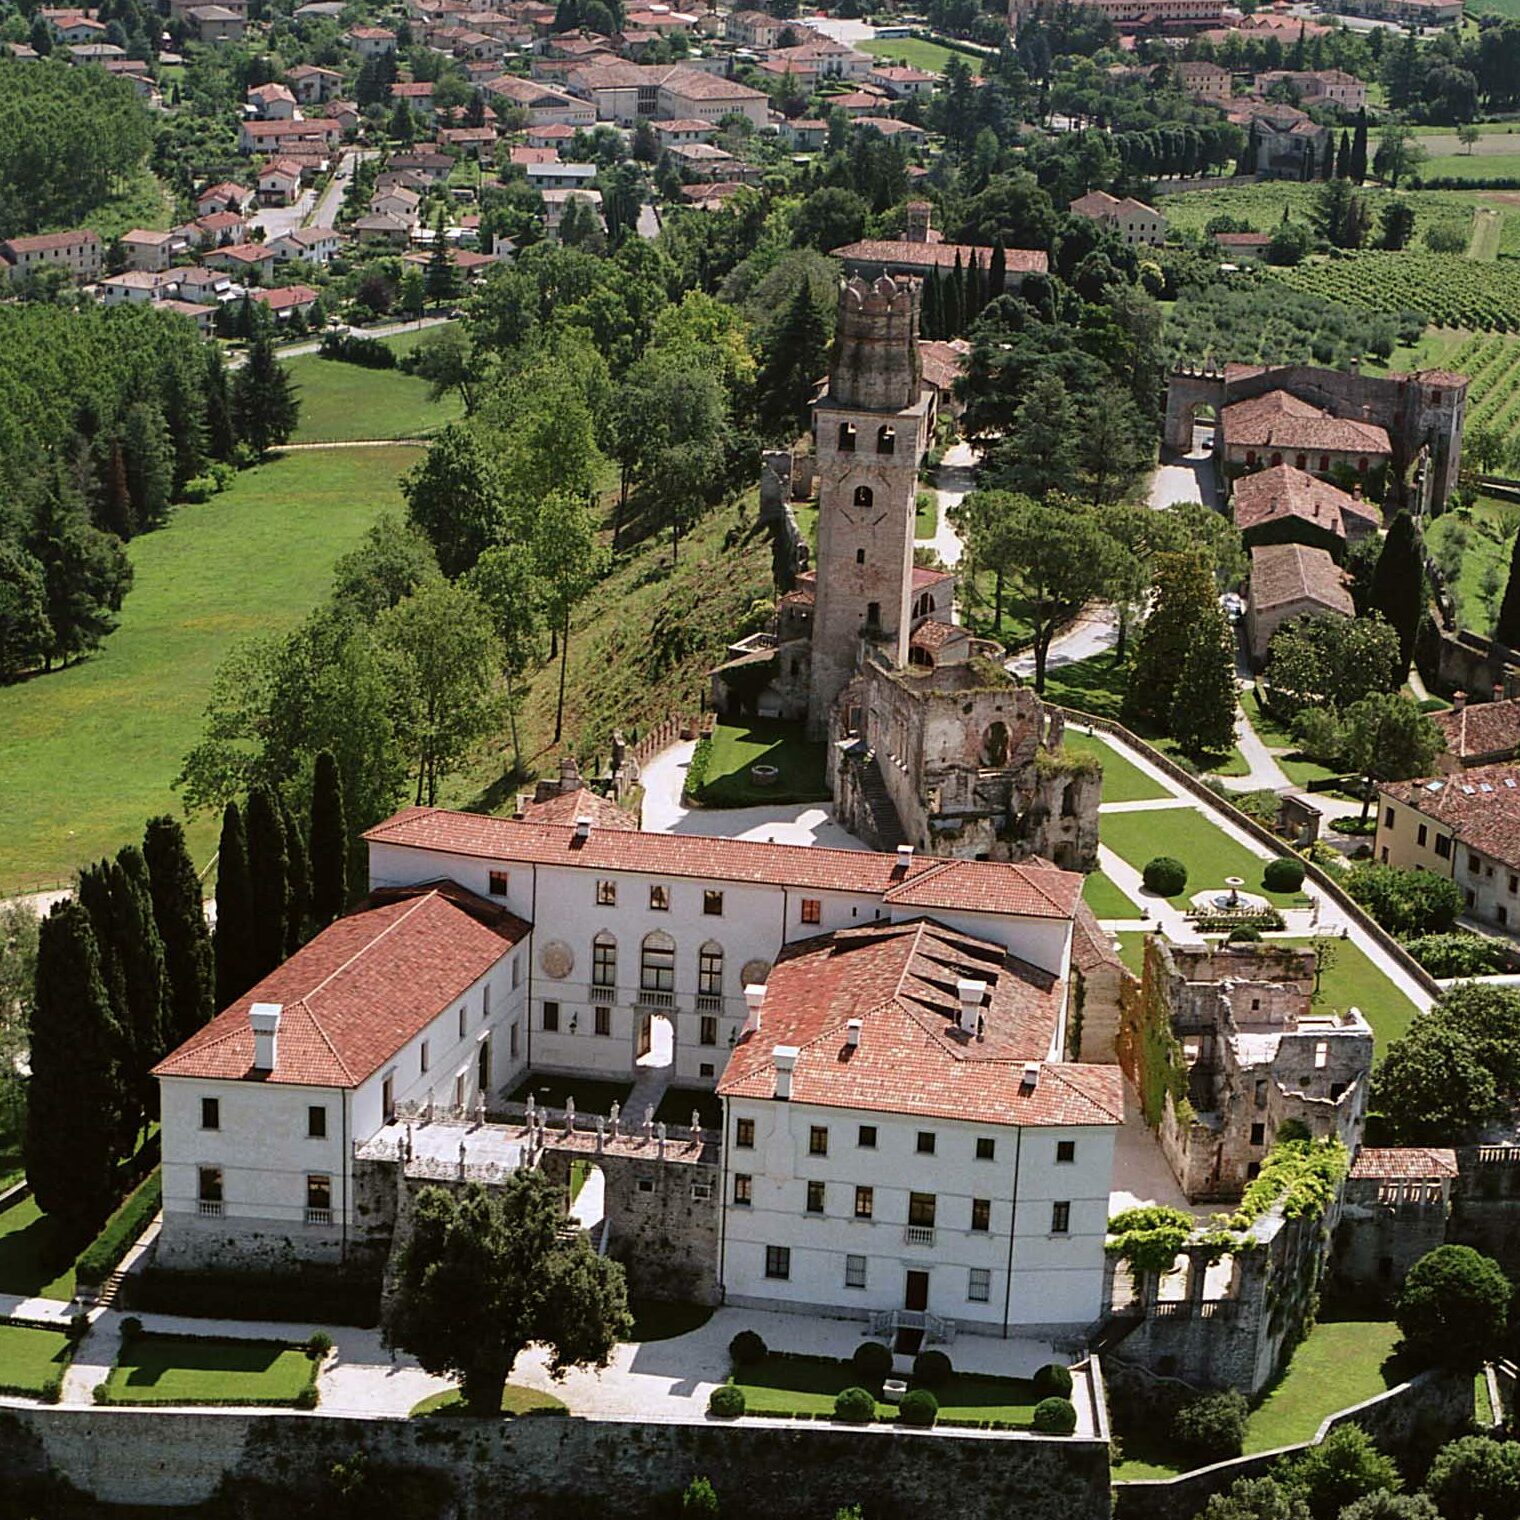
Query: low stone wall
(546,1468)
(1404,1421)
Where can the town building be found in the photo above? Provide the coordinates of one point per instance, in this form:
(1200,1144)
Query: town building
(223,196)
(1479,733)
(924,249)
(279,182)
(370,41)
(755,29)
(902,83)
(1281,428)
(134,287)
(1316,87)
(543,105)
(1134,15)
(1139,225)
(1205,81)
(216,23)
(1282,504)
(146,248)
(314,86)
(272,102)
(1288,580)
(1419,13)
(312,245)
(78,252)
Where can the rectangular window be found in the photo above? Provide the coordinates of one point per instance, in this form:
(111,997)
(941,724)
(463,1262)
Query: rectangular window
(603,963)
(516,976)
(744,1134)
(498,884)
(854,1271)
(1321,1054)
(925,1142)
(1258,1134)
(1060,1218)
(979,1285)
(1421,835)
(512,1042)
(815,1198)
(710,971)
(318,1191)
(778,1262)
(921,1209)
(986,1148)
(818,1140)
(744,1186)
(388,1098)
(1473,863)
(981,1214)
(606,894)
(485,1005)
(812,910)
(659,899)
(211,1113)
(422,1057)
(551,1018)
(316,1122)
(866,1138)
(865,1202)
(657,965)
(707,1034)
(210,1186)
(1443,846)
(712,904)
(1066,1150)
(602,1017)
(461,1021)
(1387,818)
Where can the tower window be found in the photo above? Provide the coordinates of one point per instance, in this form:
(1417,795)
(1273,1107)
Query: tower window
(863,497)
(860,556)
(846,437)
(886,440)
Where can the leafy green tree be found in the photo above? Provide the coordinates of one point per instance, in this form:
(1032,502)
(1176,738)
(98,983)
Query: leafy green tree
(393,560)
(645,146)
(1489,1018)
(181,919)
(1330,662)
(1476,1478)
(1398,153)
(148,454)
(329,843)
(448,361)
(1431,1087)
(298,904)
(442,279)
(1398,226)
(1256,1499)
(829,218)
(1454,1306)
(85,574)
(455,497)
(18,983)
(1202,719)
(1383,737)
(236,953)
(794,358)
(1113,444)
(1507,628)
(25,633)
(411,294)
(1382,1505)
(444,660)
(1398,586)
(1406,902)
(485,1274)
(506,580)
(269,872)
(570,560)
(265,407)
(74,1090)
(1341,1469)
(1185,600)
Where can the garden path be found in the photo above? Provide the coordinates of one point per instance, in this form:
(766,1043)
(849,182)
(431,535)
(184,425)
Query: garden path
(955,477)
(1265,774)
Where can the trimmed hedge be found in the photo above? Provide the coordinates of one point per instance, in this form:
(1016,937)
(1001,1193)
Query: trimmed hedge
(726,1402)
(1213,1428)
(103,1255)
(1055,1417)
(932,1369)
(872,1360)
(747,1349)
(327,1296)
(1283,875)
(1164,876)
(855,1406)
(1053,1381)
(918,1407)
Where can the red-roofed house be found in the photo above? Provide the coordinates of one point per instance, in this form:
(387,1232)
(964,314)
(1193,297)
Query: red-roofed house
(1281,504)
(1280,428)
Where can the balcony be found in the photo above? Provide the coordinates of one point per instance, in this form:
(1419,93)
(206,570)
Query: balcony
(209,1208)
(709,1002)
(319,1216)
(649,997)
(918,1235)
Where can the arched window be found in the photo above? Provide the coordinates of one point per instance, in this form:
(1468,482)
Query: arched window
(604,960)
(657,963)
(1250,459)
(863,496)
(886,440)
(1301,462)
(846,437)
(710,970)
(995,745)
(1277,459)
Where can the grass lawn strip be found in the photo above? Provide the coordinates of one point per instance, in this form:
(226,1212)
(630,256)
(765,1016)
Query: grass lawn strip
(514,1401)
(735,747)
(32,1359)
(1355,981)
(1201,844)
(1123,780)
(342,401)
(182,1369)
(1105,899)
(36,1259)
(1338,1365)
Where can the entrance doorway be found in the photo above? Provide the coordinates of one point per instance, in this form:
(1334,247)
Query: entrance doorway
(916,1291)
(656,1040)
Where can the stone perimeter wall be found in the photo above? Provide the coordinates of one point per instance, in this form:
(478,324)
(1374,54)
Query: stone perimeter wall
(549,1468)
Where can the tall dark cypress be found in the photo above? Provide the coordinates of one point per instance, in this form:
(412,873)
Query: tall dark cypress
(1507,630)
(997,273)
(930,320)
(1343,157)
(1359,148)
(235,960)
(329,843)
(298,904)
(69,1146)
(954,310)
(141,954)
(1398,586)
(95,895)
(269,867)
(181,919)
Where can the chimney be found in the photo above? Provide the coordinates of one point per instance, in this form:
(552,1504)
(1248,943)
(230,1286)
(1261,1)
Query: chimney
(904,857)
(264,1020)
(852,1033)
(1458,701)
(1356,491)
(523,801)
(754,1000)
(970,995)
(1498,691)
(583,826)
(785,1057)
(1031,1076)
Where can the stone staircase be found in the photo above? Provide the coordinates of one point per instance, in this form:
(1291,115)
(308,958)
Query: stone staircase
(883,828)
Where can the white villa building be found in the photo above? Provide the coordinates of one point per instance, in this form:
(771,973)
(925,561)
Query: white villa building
(886,1034)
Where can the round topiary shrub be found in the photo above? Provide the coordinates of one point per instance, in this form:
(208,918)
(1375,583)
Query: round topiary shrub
(932,1369)
(918,1407)
(1053,1381)
(1283,875)
(318,1345)
(1055,1417)
(1164,876)
(872,1360)
(855,1406)
(747,1349)
(1212,1428)
(131,1327)
(1244,935)
(726,1402)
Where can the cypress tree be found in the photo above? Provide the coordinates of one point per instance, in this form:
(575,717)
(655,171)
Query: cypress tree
(69,1146)
(929,310)
(1398,586)
(951,305)
(96,897)
(997,274)
(264,404)
(1327,168)
(299,907)
(181,919)
(269,867)
(329,843)
(1359,148)
(1507,630)
(221,434)
(233,944)
(141,954)
(1343,157)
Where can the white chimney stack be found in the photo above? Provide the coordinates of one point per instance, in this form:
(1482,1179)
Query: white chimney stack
(524,799)
(785,1057)
(905,855)
(971,995)
(264,1020)
(754,1001)
(1031,1074)
(583,826)
(852,1033)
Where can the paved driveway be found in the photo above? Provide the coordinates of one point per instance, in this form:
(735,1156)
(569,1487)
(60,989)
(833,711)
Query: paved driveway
(1186,477)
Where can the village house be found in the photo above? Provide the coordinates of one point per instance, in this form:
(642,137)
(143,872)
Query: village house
(1478,733)
(272,102)
(805,134)
(1281,428)
(1243,245)
(370,41)
(560,176)
(541,104)
(314,86)
(245,260)
(279,182)
(274,136)
(557,203)
(901,82)
(1314,87)
(1136,223)
(136,287)
(203,316)
(418,96)
(1282,504)
(195,284)
(216,23)
(146,248)
(755,29)
(889,127)
(313,245)
(211,231)
(1204,81)
(1288,580)
(285,301)
(79,252)
(223,196)
(824,59)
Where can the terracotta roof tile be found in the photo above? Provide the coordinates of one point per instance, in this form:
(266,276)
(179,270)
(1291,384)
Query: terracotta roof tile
(901,253)
(1398,1163)
(566,807)
(1281,420)
(1283,573)
(1283,491)
(1481,806)
(1481,728)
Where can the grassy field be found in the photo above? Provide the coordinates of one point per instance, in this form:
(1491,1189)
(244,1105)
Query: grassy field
(1473,547)
(514,1401)
(175,1369)
(1339,1364)
(345,401)
(1354,982)
(31,1359)
(1209,854)
(735,747)
(1105,899)
(917,54)
(1122,780)
(90,752)
(1488,227)
(1462,165)
(36,1257)
(1132,949)
(143,201)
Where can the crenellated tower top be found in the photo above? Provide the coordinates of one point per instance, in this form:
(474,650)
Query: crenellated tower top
(876,366)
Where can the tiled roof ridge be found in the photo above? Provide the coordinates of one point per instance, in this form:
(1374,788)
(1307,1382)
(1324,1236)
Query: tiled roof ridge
(1064,1071)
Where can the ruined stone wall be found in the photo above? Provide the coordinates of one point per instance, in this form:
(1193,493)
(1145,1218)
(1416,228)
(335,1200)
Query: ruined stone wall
(1377,1243)
(1486,1203)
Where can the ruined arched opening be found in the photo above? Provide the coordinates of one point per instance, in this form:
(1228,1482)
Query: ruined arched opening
(995,745)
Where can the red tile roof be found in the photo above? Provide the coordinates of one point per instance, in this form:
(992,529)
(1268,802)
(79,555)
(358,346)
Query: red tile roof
(902,254)
(1280,420)
(1399,1163)
(1285,573)
(900,981)
(978,885)
(353,996)
(46,242)
(567,807)
(1481,728)
(1282,491)
(1481,807)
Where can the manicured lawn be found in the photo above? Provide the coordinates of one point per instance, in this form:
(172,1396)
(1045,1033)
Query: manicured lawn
(1123,781)
(36,1256)
(677,1104)
(342,401)
(30,1359)
(1187,835)
(1354,981)
(735,747)
(809,1384)
(90,752)
(175,1369)
(579,1172)
(405,342)
(1231,764)
(1105,899)
(1132,948)
(656,1320)
(916,53)
(1277,736)
(1338,1365)
(514,1401)
(1095,685)
(591,1096)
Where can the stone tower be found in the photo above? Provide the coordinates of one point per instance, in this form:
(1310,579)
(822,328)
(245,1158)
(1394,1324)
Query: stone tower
(871,429)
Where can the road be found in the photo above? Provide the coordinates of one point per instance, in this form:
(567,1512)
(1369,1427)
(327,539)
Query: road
(389,330)
(309,211)
(1186,477)
(954,478)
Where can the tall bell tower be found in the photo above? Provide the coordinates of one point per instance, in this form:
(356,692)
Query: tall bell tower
(871,432)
